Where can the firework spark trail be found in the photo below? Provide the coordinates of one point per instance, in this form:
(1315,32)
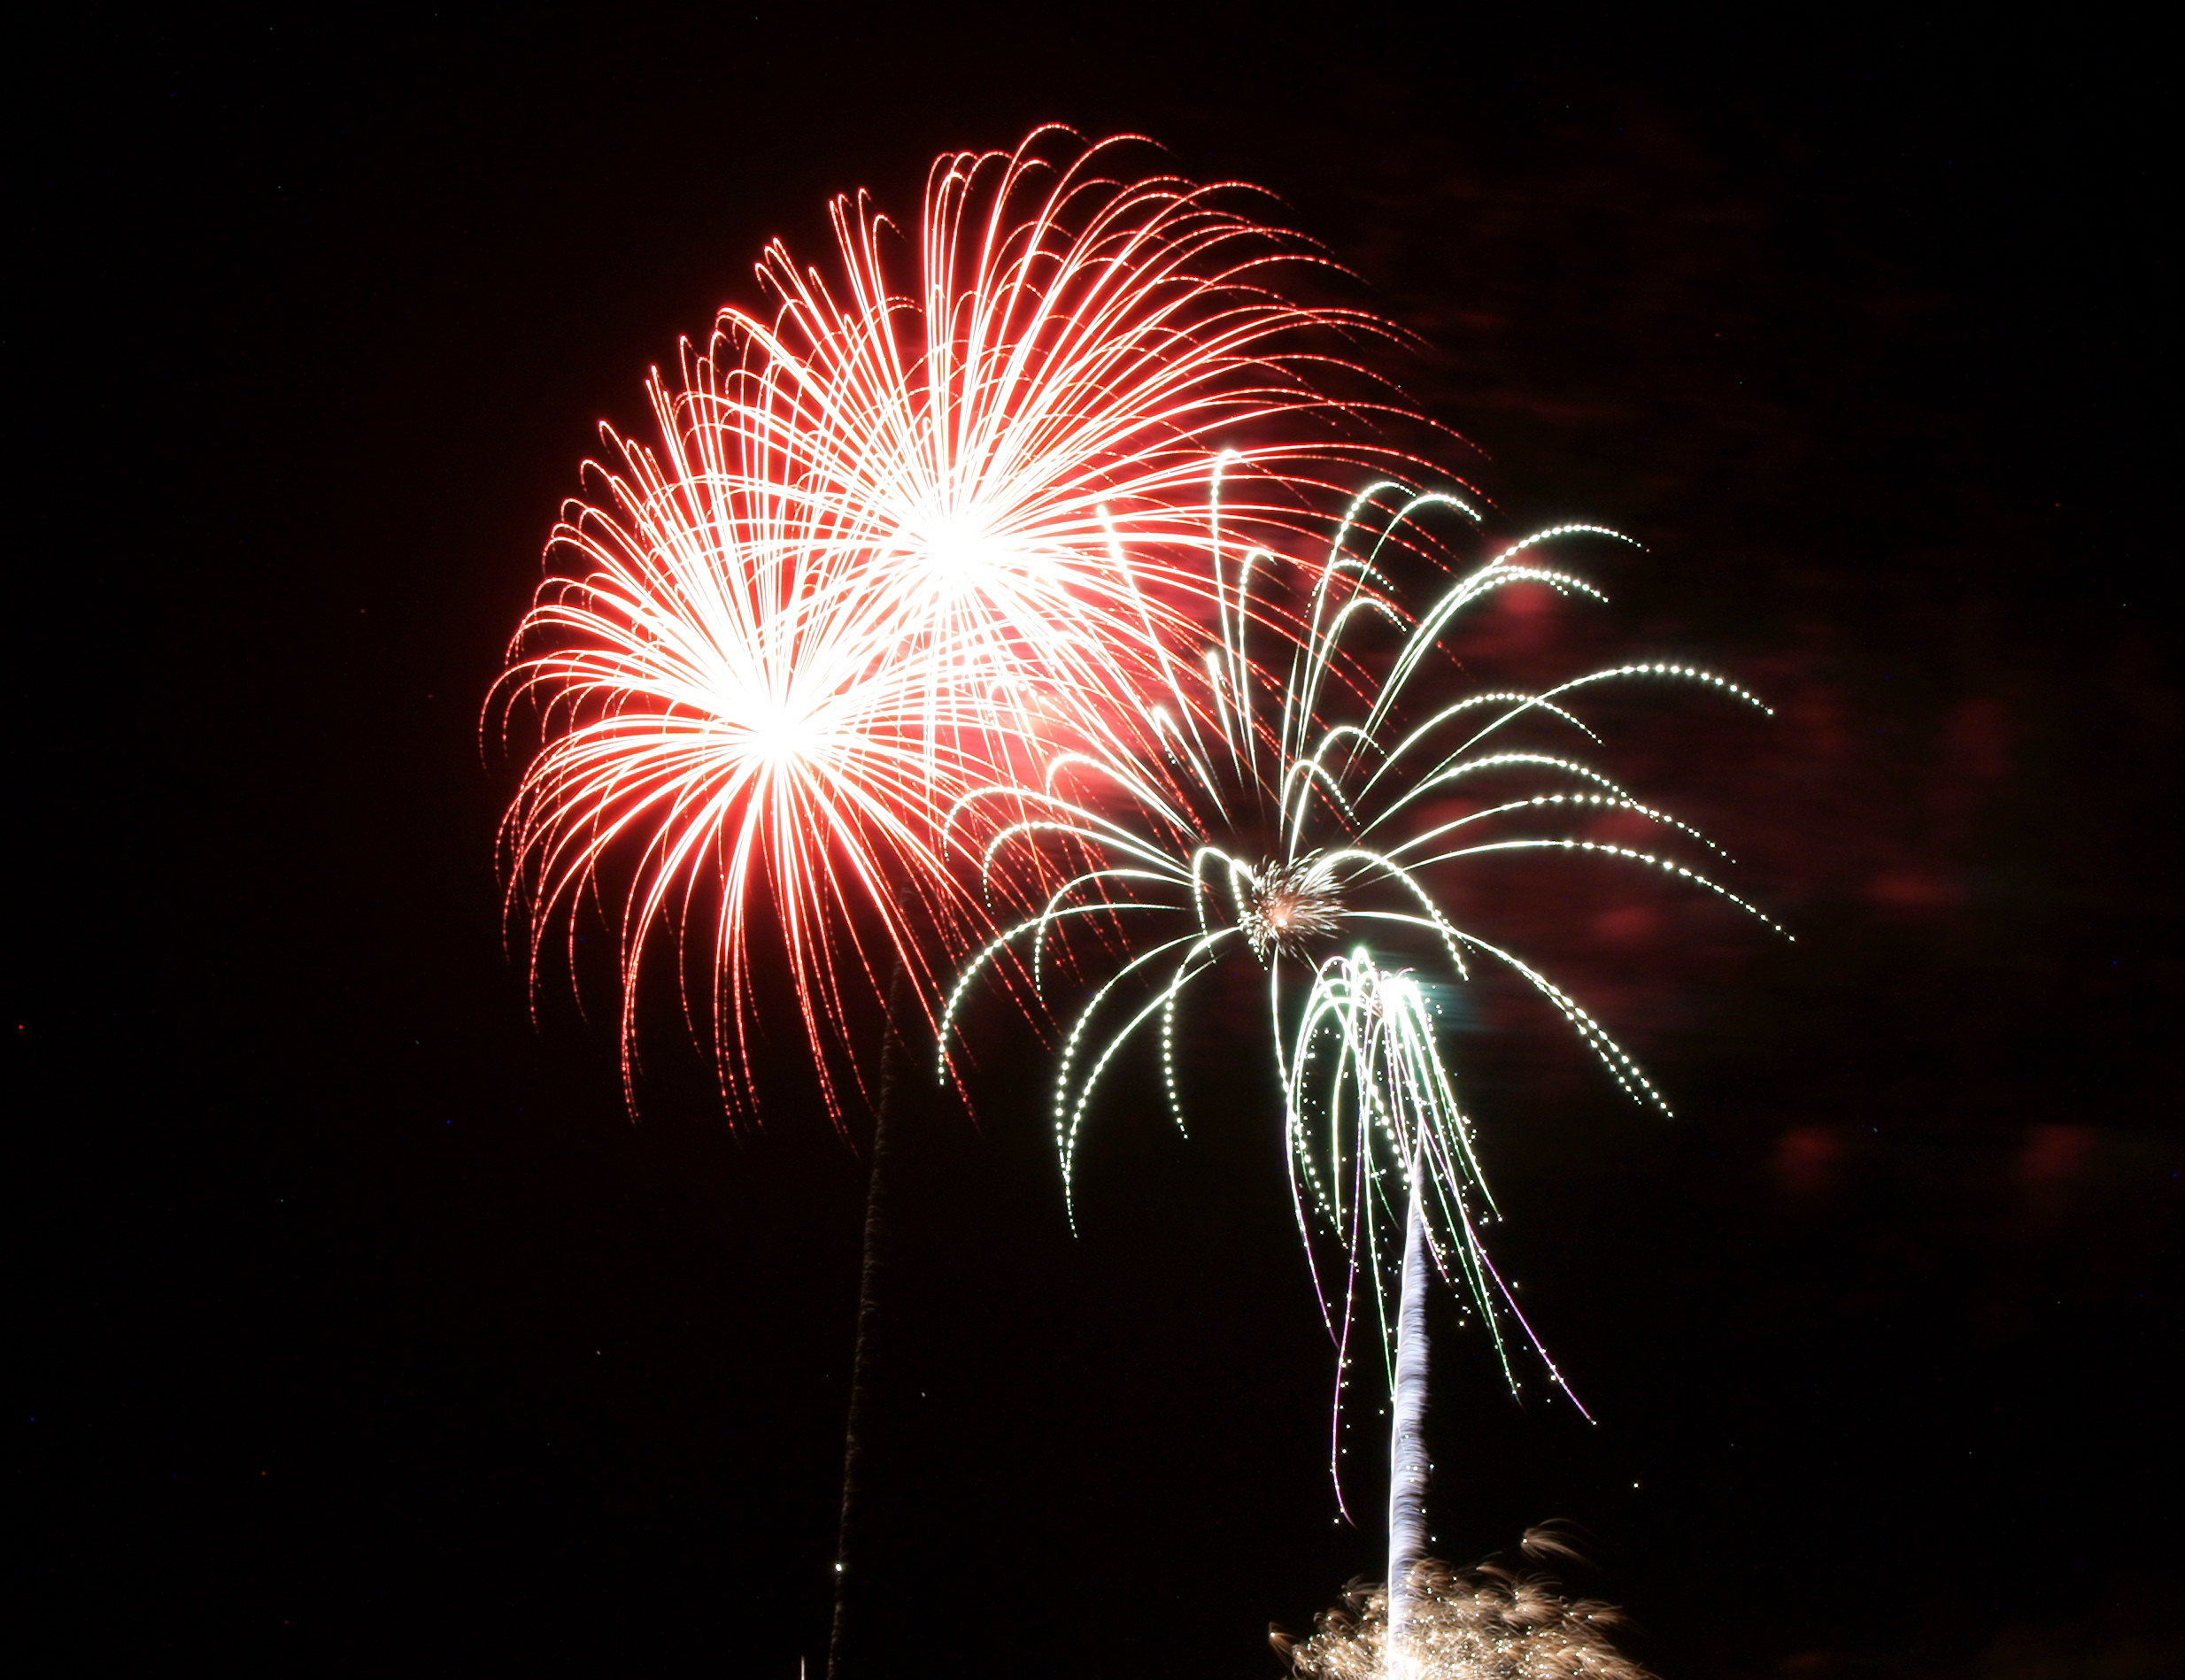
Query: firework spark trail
(705,706)
(1014,446)
(886,547)
(1280,819)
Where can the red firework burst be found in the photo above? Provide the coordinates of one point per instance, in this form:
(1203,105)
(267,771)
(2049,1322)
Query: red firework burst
(885,544)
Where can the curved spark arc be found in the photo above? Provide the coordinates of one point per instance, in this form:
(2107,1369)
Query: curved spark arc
(708,702)
(903,539)
(995,442)
(1298,835)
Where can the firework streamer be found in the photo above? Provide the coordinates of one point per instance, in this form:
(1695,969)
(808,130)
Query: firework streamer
(936,514)
(1285,814)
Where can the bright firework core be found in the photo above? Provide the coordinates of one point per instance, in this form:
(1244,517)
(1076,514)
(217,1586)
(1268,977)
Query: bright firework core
(1284,905)
(925,512)
(778,737)
(960,555)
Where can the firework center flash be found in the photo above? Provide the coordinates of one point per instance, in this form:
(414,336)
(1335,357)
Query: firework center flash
(1285,905)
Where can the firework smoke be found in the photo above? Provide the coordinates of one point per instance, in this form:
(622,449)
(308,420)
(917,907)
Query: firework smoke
(1483,1623)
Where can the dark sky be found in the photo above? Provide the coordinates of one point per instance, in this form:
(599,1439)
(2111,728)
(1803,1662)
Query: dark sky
(369,1332)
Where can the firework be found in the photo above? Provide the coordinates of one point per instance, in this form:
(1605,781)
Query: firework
(884,545)
(1387,1071)
(995,440)
(1285,817)
(1486,1623)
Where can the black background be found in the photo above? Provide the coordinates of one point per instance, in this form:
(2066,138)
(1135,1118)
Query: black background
(366,1328)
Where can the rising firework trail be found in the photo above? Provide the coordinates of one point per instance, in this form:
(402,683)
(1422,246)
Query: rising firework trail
(1281,821)
(1391,1114)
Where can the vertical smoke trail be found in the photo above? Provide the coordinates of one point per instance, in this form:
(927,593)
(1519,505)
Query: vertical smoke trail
(1408,1465)
(868,1298)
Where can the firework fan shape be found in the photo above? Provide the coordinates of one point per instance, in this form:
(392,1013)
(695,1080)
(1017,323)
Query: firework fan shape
(1307,816)
(883,547)
(1014,445)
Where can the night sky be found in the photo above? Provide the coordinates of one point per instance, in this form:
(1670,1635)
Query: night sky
(369,1333)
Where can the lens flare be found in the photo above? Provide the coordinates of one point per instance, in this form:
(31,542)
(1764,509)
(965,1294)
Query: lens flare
(886,546)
